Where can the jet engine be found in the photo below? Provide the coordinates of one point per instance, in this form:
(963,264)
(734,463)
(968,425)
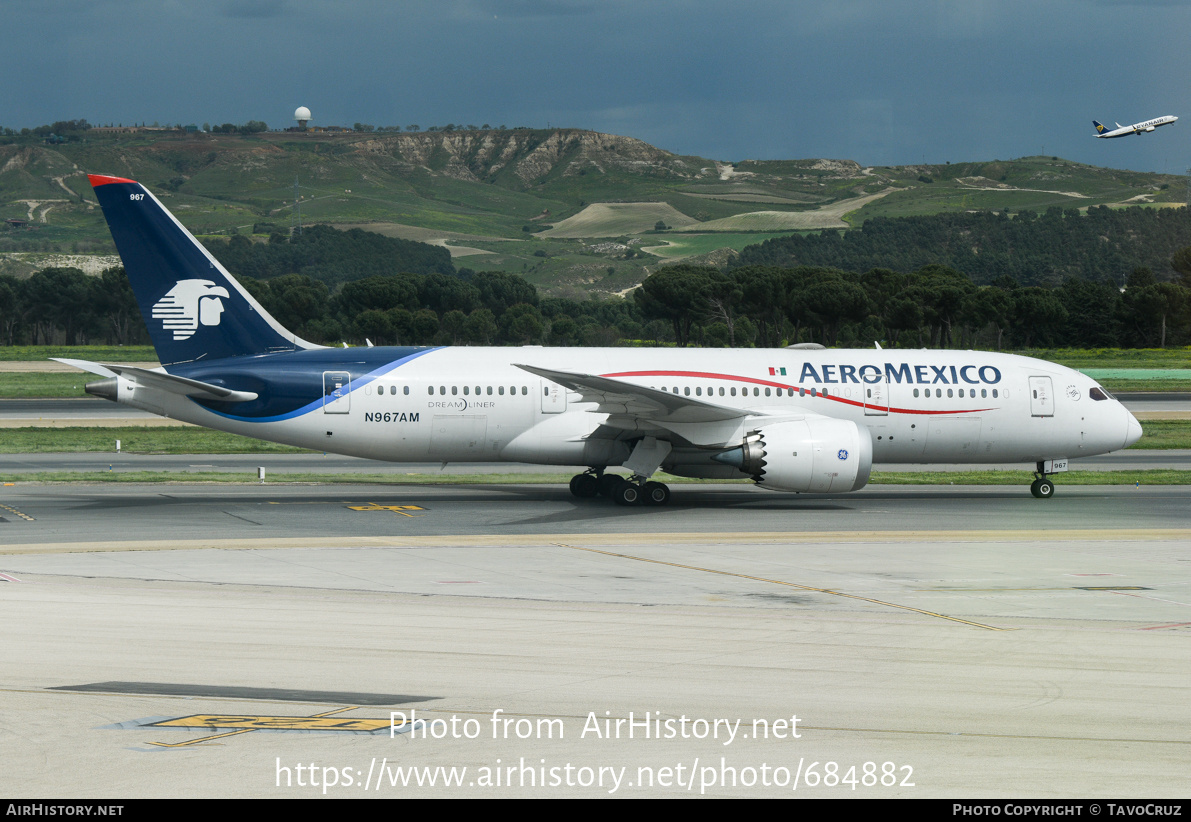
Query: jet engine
(819,455)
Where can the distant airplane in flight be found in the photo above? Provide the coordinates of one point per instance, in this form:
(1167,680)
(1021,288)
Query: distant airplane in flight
(1136,128)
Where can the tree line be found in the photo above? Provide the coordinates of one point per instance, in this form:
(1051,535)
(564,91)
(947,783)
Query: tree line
(1047,249)
(330,286)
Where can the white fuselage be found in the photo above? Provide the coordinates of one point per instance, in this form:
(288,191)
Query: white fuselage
(476,405)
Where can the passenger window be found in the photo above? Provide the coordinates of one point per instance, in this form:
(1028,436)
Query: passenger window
(949,393)
(524,390)
(721,391)
(698,392)
(500,390)
(983,393)
(994,393)
(767,390)
(490,391)
(870,392)
(464,391)
(454,390)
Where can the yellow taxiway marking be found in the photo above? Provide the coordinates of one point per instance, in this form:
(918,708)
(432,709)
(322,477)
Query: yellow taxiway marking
(17,513)
(396,509)
(250,722)
(241,730)
(787,584)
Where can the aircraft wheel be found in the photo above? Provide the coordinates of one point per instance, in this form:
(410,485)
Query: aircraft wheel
(1042,488)
(584,486)
(608,483)
(656,493)
(627,493)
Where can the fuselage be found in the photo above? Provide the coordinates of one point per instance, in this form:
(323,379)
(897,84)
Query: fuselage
(476,404)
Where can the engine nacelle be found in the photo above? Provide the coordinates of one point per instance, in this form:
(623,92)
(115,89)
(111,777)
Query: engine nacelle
(817,455)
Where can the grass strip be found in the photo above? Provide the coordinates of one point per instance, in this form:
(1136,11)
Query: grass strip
(135,440)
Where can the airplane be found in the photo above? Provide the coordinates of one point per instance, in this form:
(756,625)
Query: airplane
(1136,128)
(800,419)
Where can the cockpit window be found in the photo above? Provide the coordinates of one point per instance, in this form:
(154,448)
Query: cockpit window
(1098,393)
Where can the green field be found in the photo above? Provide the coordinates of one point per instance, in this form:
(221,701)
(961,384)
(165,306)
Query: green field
(492,182)
(671,246)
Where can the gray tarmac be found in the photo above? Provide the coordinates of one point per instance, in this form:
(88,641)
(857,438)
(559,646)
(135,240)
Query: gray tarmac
(215,640)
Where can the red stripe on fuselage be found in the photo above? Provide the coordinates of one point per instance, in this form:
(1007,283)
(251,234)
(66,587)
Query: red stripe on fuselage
(708,375)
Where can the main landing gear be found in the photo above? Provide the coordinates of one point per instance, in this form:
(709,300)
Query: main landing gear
(1041,487)
(623,491)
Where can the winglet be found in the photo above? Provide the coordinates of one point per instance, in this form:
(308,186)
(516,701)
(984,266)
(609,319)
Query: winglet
(98,180)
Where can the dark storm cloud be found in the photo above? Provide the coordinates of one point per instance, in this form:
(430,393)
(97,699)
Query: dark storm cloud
(879,82)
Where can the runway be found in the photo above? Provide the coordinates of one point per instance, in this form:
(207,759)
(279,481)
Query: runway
(930,642)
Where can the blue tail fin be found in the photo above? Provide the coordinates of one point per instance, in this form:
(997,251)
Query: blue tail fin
(192,306)
(1100,128)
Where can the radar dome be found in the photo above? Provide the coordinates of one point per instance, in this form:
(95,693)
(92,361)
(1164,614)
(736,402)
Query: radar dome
(302,113)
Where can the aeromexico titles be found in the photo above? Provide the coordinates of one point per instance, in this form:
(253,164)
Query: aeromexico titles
(801,419)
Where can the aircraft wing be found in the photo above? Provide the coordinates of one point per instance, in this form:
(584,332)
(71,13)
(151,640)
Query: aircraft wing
(619,398)
(162,381)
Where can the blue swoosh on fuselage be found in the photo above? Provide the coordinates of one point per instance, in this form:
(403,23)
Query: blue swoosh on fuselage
(290,384)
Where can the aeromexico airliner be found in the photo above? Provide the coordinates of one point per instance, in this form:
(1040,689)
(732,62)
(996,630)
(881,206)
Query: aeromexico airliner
(796,419)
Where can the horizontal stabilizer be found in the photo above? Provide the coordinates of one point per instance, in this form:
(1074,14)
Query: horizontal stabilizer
(162,381)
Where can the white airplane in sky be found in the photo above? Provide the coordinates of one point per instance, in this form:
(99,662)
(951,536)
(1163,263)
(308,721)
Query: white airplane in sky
(1136,128)
(796,419)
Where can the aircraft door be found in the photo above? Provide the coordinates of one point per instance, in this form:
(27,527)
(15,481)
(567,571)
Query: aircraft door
(1042,401)
(554,398)
(337,386)
(876,398)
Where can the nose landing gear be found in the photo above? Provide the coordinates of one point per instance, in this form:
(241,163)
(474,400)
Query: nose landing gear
(1041,487)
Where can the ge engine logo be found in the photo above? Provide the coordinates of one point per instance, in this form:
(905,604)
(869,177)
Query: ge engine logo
(189,304)
(843,455)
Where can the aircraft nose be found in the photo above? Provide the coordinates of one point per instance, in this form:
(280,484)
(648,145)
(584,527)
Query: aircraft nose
(1132,430)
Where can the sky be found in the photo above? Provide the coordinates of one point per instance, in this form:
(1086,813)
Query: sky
(881,82)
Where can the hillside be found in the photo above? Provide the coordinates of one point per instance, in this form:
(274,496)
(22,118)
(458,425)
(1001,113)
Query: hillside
(541,203)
